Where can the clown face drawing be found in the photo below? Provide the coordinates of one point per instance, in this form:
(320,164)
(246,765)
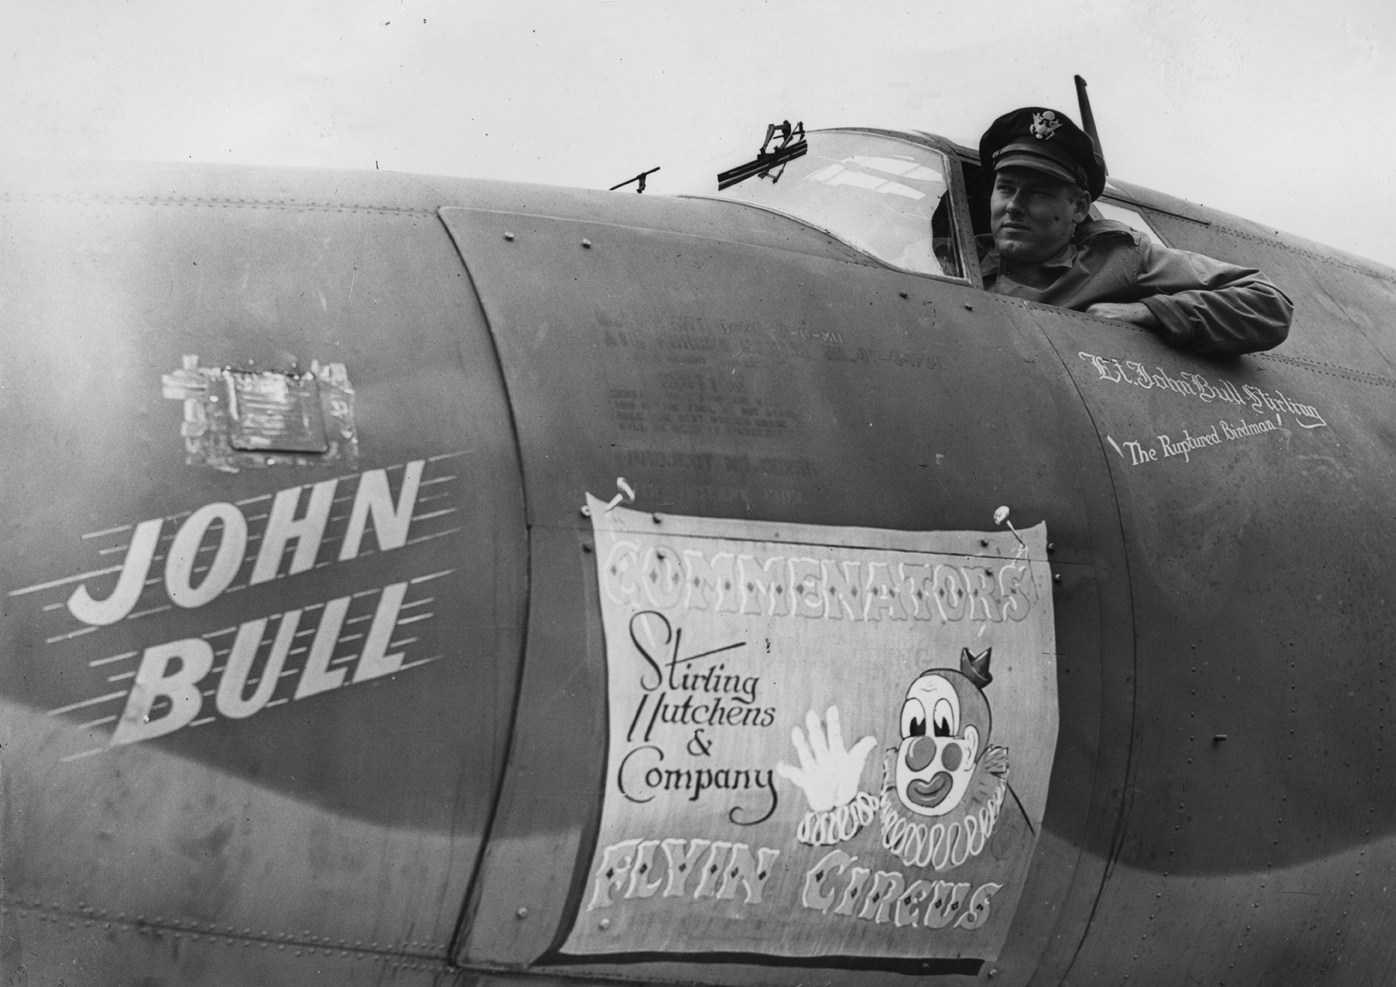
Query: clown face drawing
(945,726)
(949,783)
(943,785)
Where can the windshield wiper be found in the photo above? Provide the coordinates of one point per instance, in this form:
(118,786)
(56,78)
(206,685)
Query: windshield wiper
(788,149)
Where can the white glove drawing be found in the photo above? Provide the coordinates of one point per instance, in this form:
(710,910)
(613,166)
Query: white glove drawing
(828,774)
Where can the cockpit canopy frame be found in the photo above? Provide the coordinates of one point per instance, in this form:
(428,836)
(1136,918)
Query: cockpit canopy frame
(899,198)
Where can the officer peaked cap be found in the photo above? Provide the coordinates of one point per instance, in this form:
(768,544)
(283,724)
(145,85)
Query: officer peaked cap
(1047,141)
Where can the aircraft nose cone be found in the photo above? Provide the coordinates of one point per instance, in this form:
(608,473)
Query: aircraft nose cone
(921,753)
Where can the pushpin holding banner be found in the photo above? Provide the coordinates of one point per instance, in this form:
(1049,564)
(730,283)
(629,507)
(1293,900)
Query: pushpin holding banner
(626,493)
(1001,517)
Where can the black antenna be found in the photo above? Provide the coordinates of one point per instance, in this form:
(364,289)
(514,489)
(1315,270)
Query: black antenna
(638,178)
(1088,120)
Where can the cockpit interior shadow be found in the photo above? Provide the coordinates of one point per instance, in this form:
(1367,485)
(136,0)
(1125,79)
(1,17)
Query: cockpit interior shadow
(977,189)
(943,239)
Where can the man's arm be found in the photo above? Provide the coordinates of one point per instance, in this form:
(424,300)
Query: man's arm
(1135,313)
(1198,303)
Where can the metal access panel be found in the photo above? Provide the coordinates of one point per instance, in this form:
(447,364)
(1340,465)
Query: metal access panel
(1263,676)
(1338,298)
(250,699)
(726,380)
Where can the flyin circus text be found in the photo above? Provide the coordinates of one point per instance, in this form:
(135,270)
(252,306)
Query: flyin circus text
(827,588)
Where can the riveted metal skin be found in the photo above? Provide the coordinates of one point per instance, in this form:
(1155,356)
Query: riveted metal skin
(427,819)
(1259,782)
(94,951)
(351,813)
(667,358)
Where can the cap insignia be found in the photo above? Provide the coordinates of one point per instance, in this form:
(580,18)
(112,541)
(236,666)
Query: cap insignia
(1044,125)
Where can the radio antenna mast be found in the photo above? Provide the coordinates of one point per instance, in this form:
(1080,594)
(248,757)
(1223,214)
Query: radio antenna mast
(1088,120)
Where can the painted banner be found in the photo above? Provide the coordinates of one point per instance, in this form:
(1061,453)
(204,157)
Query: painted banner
(823,741)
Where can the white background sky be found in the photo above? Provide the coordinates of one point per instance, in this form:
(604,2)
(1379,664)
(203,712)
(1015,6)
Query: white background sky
(1279,110)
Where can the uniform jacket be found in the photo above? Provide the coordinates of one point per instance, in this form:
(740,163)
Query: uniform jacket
(1202,304)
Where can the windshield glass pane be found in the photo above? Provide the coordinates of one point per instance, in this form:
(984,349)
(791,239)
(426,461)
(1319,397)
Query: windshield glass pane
(884,196)
(1132,219)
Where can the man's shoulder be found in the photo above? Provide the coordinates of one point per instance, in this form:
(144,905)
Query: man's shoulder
(1102,231)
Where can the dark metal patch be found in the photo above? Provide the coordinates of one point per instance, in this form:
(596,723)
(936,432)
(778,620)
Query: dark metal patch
(237,418)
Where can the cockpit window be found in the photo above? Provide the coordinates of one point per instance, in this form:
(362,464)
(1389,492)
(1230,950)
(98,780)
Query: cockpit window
(1131,218)
(883,196)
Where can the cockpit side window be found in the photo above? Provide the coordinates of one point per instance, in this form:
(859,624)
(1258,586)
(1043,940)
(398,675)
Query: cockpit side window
(979,184)
(887,197)
(1105,209)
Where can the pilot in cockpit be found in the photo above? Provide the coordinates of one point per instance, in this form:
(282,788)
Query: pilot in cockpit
(1045,247)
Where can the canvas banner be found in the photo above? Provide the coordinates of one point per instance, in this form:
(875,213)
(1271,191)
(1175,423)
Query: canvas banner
(822,741)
